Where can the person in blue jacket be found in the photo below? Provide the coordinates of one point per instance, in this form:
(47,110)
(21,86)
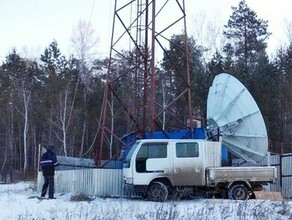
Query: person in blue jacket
(48,163)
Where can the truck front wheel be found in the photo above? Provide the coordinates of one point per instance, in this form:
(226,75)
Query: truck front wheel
(238,192)
(157,192)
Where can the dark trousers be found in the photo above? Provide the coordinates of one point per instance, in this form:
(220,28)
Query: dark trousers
(48,183)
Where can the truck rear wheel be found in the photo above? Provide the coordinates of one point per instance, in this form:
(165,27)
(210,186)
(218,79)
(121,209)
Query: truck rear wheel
(238,192)
(157,192)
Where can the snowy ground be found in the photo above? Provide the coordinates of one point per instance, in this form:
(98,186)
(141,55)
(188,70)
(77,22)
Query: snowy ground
(18,201)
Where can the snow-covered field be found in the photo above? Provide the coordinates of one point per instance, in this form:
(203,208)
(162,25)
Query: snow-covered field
(18,201)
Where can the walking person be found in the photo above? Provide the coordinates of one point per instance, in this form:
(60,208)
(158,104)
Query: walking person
(48,163)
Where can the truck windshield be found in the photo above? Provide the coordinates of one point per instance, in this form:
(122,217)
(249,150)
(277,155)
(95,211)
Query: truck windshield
(126,163)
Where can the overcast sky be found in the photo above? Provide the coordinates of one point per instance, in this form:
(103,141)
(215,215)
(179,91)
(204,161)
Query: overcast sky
(31,25)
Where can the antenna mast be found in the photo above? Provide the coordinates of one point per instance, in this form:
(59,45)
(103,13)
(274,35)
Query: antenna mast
(134,80)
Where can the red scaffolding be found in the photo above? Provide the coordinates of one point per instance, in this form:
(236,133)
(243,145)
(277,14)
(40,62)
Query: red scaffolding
(144,28)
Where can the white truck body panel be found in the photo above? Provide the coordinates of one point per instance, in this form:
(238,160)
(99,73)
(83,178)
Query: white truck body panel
(189,171)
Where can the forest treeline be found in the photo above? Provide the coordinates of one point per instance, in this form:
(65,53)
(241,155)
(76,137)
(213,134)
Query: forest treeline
(57,100)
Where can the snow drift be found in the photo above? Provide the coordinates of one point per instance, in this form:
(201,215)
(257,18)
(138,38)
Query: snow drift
(19,201)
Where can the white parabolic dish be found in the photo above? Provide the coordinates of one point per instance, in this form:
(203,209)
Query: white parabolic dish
(232,111)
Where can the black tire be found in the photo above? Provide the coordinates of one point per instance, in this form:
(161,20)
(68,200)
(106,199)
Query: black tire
(157,192)
(238,192)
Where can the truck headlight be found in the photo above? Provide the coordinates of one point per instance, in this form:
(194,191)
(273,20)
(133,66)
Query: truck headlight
(128,180)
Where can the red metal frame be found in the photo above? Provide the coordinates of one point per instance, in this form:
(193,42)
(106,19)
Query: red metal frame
(143,75)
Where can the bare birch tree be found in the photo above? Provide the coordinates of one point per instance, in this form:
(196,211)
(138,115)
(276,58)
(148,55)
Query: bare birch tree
(63,118)
(26,101)
(84,41)
(207,32)
(25,94)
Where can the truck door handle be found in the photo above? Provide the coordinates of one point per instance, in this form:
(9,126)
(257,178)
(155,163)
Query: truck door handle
(177,170)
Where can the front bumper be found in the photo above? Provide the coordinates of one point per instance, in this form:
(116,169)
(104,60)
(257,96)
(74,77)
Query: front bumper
(134,190)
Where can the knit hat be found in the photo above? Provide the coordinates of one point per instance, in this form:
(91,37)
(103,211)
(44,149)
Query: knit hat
(50,147)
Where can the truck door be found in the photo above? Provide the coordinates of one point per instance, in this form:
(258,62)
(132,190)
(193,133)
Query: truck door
(188,165)
(151,161)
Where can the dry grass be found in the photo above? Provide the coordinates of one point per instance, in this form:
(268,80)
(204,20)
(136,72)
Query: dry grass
(81,197)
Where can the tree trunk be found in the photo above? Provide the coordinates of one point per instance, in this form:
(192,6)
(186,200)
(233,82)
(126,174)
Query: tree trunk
(26,98)
(84,124)
(63,121)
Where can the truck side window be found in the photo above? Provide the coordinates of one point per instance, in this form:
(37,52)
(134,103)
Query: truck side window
(149,150)
(187,149)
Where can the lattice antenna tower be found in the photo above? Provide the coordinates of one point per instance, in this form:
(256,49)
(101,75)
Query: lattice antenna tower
(141,37)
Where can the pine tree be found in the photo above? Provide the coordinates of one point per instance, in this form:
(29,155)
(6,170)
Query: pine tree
(283,81)
(174,65)
(246,35)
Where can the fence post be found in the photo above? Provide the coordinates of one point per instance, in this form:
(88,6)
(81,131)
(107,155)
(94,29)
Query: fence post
(281,173)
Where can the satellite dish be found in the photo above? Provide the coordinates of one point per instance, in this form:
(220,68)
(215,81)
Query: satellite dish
(233,114)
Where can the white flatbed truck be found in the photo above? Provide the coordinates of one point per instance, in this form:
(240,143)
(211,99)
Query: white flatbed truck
(162,169)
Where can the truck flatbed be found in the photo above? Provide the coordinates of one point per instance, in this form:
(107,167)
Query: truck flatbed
(253,174)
